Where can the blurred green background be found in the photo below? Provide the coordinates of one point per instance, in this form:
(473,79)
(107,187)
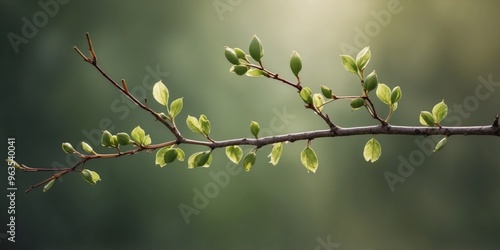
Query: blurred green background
(434,50)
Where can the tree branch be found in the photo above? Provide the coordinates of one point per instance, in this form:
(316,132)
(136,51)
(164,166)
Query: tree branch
(334,131)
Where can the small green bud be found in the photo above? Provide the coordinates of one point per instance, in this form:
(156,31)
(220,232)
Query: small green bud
(231,56)
(90,176)
(326,91)
(295,63)
(87,148)
(123,138)
(254,128)
(49,185)
(106,139)
(68,148)
(357,103)
(371,82)
(163,116)
(306,95)
(256,50)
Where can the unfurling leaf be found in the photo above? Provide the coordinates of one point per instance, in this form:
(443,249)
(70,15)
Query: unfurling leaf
(295,63)
(193,124)
(318,102)
(200,159)
(138,135)
(90,176)
(357,103)
(384,93)
(255,73)
(306,95)
(249,160)
(160,93)
(363,58)
(234,153)
(275,154)
(68,148)
(309,159)
(439,111)
(349,63)
(254,128)
(440,144)
(371,81)
(231,55)
(372,150)
(87,148)
(175,107)
(49,185)
(426,118)
(326,91)
(396,94)
(204,125)
(256,50)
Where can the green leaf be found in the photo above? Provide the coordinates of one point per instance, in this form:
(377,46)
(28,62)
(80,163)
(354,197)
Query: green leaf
(254,72)
(160,156)
(357,103)
(306,95)
(309,159)
(231,55)
(349,63)
(49,185)
(384,93)
(193,124)
(147,140)
(200,159)
(175,107)
(114,141)
(90,176)
(170,155)
(138,135)
(427,119)
(167,155)
(180,154)
(123,138)
(396,94)
(318,102)
(371,81)
(372,150)
(106,139)
(254,128)
(295,63)
(275,154)
(439,111)
(363,58)
(87,148)
(249,160)
(440,144)
(204,125)
(68,148)
(326,91)
(160,93)
(234,153)
(240,69)
(256,50)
